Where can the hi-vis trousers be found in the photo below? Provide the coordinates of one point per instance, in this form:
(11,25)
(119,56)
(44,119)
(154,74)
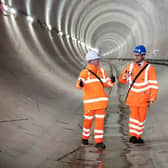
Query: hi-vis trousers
(137,120)
(99,124)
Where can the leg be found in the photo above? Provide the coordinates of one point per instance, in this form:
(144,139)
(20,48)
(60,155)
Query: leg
(142,117)
(99,128)
(88,118)
(134,122)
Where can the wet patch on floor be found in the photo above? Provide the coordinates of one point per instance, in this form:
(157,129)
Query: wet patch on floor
(82,157)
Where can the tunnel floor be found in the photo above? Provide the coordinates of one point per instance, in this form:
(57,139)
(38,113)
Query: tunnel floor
(118,153)
(35,134)
(33,140)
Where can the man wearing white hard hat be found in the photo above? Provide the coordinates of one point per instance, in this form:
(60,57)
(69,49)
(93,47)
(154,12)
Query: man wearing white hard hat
(92,80)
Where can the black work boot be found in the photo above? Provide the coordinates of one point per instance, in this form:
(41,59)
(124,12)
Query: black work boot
(100,145)
(133,139)
(140,140)
(85,141)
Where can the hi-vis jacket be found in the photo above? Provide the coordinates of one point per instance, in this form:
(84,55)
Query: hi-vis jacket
(145,86)
(94,95)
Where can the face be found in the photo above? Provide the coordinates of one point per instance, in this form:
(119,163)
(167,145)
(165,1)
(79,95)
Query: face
(95,62)
(139,57)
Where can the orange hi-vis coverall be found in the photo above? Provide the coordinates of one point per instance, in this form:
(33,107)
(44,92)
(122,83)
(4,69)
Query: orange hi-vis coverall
(144,89)
(95,100)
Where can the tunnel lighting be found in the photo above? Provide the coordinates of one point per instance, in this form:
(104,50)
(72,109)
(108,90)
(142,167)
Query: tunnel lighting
(82,43)
(49,27)
(67,36)
(12,11)
(60,33)
(8,10)
(89,47)
(74,39)
(6,7)
(96,50)
(30,19)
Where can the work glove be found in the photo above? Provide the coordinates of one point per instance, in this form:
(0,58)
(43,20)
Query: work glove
(81,83)
(113,78)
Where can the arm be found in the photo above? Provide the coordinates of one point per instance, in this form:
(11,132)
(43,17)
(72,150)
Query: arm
(81,79)
(124,75)
(108,82)
(153,83)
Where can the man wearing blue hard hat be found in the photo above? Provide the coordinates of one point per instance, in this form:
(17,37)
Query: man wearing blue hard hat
(142,92)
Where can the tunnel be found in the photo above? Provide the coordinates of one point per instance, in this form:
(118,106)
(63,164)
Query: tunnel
(43,44)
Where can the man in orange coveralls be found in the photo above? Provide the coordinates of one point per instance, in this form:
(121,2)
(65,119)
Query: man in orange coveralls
(93,79)
(142,93)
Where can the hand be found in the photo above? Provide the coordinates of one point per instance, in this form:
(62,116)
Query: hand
(81,83)
(113,78)
(151,101)
(125,75)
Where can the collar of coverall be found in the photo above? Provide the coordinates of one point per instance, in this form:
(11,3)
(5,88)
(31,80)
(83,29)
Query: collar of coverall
(143,63)
(92,67)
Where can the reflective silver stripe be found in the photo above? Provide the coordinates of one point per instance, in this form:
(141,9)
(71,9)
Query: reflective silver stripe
(141,83)
(153,81)
(136,132)
(98,136)
(107,79)
(96,100)
(146,72)
(135,126)
(145,88)
(88,117)
(154,87)
(146,82)
(136,121)
(88,75)
(99,131)
(103,73)
(86,130)
(99,116)
(87,135)
(110,84)
(130,71)
(93,80)
(81,79)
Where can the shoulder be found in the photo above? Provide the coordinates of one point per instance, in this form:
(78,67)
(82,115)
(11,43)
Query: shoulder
(130,65)
(84,72)
(151,67)
(102,70)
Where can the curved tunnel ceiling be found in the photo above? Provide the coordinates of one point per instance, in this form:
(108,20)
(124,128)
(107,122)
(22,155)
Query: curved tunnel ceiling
(111,26)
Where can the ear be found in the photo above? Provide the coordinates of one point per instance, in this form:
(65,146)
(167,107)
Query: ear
(143,56)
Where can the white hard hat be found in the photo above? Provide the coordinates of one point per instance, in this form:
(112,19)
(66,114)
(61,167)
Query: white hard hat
(91,55)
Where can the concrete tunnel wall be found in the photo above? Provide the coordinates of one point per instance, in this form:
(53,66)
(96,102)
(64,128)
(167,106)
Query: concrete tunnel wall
(39,68)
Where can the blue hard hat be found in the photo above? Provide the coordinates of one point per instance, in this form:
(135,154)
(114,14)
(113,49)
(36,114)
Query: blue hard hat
(140,49)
